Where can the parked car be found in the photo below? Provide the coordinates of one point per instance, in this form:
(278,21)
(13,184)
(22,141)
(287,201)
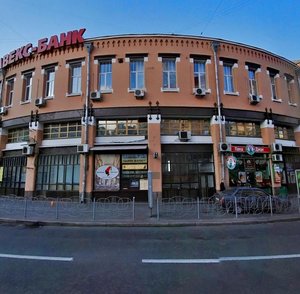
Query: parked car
(249,199)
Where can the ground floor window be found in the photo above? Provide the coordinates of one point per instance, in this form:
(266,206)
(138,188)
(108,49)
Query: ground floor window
(120,172)
(13,175)
(188,174)
(58,172)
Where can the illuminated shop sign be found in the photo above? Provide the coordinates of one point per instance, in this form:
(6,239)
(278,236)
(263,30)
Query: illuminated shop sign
(44,45)
(250,148)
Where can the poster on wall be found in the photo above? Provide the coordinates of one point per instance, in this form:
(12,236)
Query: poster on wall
(297,172)
(107,172)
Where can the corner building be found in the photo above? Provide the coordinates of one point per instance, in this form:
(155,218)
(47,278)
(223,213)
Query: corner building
(109,115)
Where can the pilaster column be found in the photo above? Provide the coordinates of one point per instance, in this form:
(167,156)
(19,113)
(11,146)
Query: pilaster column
(267,132)
(154,151)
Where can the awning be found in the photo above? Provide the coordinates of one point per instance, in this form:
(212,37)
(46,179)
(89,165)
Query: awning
(119,147)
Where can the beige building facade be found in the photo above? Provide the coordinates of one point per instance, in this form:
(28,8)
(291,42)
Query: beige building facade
(120,115)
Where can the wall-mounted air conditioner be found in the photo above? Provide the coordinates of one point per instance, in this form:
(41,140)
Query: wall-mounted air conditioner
(253,99)
(184,135)
(3,110)
(276,147)
(224,147)
(277,157)
(28,150)
(139,94)
(200,92)
(39,102)
(96,96)
(83,148)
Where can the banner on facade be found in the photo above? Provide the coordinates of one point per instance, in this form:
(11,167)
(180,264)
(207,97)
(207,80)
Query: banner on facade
(107,172)
(297,172)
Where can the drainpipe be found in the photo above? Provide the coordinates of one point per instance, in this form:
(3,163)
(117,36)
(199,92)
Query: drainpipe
(89,48)
(215,46)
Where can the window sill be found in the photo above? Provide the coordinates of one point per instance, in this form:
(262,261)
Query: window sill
(109,91)
(232,93)
(169,90)
(25,102)
(293,104)
(132,90)
(49,97)
(73,94)
(277,100)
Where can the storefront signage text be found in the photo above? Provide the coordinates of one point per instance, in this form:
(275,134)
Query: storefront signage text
(44,45)
(257,149)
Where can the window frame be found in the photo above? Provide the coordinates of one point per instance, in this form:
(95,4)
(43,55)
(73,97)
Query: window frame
(27,86)
(10,84)
(49,81)
(228,78)
(136,73)
(200,75)
(75,79)
(105,75)
(169,74)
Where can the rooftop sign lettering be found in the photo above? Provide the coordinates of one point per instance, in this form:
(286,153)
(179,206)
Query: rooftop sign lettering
(44,45)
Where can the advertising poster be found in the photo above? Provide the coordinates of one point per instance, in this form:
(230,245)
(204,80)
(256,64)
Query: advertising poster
(107,172)
(297,172)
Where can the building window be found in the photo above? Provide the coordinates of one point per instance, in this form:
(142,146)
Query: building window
(58,172)
(27,87)
(122,128)
(10,91)
(199,127)
(169,73)
(75,78)
(252,82)
(200,74)
(274,75)
(66,130)
(289,85)
(49,81)
(18,135)
(284,133)
(242,129)
(137,75)
(228,78)
(105,75)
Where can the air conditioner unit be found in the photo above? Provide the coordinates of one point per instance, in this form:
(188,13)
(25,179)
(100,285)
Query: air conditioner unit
(277,157)
(39,102)
(184,135)
(224,147)
(3,110)
(139,94)
(27,150)
(83,148)
(276,147)
(253,99)
(200,92)
(96,96)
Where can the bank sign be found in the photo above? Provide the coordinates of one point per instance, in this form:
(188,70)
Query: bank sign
(43,45)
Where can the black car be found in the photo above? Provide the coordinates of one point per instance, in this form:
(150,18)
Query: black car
(250,200)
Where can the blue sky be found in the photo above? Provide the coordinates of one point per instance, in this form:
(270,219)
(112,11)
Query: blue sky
(273,25)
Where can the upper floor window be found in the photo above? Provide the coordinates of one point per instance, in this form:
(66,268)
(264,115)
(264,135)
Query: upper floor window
(243,129)
(228,78)
(200,74)
(273,74)
(105,75)
(169,73)
(18,135)
(27,86)
(198,127)
(49,81)
(252,82)
(137,73)
(65,130)
(75,77)
(10,83)
(289,84)
(132,127)
(284,133)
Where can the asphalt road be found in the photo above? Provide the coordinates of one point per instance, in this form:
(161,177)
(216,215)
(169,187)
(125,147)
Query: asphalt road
(261,258)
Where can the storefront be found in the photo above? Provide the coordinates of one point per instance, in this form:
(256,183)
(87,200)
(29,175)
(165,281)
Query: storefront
(121,173)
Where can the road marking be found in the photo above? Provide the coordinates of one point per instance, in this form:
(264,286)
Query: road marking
(33,257)
(222,259)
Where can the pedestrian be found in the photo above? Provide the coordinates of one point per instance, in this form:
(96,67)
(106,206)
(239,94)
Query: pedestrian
(222,186)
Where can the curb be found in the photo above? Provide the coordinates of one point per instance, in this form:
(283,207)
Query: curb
(39,223)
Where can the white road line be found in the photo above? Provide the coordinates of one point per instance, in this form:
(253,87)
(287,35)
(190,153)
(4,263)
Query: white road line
(221,259)
(33,257)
